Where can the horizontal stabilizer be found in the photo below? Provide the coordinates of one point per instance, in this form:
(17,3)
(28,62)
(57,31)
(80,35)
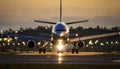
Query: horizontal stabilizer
(77,22)
(44,22)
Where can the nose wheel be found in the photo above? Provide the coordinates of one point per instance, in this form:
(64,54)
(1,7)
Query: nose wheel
(59,51)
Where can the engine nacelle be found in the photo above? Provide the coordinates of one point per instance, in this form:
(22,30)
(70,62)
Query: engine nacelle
(31,43)
(80,44)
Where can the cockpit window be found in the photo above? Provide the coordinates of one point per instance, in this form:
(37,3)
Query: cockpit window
(60,27)
(60,30)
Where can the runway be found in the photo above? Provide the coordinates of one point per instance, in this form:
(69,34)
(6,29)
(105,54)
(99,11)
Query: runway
(67,58)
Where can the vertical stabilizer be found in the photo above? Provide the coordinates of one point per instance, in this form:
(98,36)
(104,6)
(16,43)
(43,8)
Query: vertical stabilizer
(60,10)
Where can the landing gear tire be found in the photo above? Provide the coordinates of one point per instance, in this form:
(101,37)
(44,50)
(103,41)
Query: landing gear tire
(72,51)
(60,52)
(75,50)
(42,50)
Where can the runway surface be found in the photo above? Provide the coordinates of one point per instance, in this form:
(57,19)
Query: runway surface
(66,58)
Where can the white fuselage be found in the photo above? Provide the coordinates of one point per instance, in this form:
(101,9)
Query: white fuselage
(60,34)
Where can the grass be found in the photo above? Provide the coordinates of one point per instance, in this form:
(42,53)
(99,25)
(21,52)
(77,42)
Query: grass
(57,66)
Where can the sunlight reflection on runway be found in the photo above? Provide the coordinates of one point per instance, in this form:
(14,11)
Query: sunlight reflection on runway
(60,58)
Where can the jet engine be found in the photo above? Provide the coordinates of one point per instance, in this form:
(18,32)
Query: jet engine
(31,43)
(77,45)
(80,44)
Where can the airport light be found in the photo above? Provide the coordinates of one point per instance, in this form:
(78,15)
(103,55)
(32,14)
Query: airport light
(102,44)
(90,42)
(91,47)
(18,44)
(15,38)
(119,33)
(8,44)
(1,32)
(0,39)
(51,47)
(76,35)
(87,46)
(111,42)
(3,44)
(5,39)
(46,27)
(96,41)
(116,42)
(107,42)
(16,31)
(13,44)
(8,40)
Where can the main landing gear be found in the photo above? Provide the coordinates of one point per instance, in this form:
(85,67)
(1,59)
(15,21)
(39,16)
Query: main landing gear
(42,50)
(75,51)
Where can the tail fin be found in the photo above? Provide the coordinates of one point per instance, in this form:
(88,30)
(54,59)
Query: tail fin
(60,10)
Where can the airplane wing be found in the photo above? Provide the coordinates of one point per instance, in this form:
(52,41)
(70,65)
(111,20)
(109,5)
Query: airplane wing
(93,36)
(26,37)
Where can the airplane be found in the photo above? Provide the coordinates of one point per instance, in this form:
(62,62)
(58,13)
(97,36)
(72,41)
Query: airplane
(60,37)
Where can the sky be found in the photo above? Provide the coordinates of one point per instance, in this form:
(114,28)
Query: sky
(21,13)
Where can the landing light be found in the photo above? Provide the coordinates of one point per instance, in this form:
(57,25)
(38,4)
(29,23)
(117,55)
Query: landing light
(60,59)
(61,35)
(60,47)
(76,35)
